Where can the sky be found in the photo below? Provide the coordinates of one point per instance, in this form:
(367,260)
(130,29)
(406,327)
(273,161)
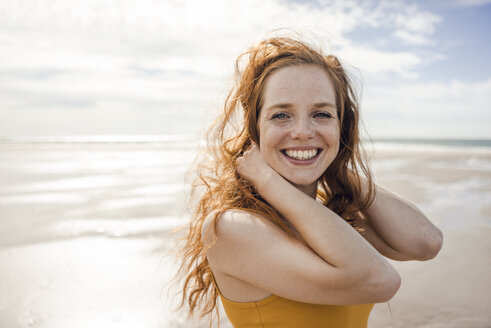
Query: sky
(131,67)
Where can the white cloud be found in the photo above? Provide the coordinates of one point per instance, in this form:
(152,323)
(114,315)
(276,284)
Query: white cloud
(137,30)
(409,22)
(470,3)
(376,63)
(452,109)
(140,56)
(412,19)
(411,38)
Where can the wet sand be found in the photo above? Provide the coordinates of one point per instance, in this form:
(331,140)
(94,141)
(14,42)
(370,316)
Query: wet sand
(95,258)
(453,289)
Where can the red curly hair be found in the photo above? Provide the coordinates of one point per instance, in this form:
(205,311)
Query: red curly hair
(218,188)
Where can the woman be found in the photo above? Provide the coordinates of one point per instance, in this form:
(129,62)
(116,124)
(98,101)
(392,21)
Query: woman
(290,230)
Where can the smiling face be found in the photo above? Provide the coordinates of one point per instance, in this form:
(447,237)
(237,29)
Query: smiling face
(298,124)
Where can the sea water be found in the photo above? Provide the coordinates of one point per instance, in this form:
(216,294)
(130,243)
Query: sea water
(115,186)
(124,185)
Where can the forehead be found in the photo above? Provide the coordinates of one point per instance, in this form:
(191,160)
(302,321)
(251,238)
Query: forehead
(301,84)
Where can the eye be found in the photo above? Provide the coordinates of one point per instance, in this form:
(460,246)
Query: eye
(279,116)
(323,115)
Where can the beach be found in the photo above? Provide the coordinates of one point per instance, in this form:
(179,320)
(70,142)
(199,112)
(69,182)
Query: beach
(85,232)
(453,187)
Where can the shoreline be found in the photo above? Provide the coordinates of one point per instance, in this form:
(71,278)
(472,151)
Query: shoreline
(83,235)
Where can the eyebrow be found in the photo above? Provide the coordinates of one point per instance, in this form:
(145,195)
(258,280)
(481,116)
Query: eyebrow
(286,105)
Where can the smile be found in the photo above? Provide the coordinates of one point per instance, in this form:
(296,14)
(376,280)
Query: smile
(302,155)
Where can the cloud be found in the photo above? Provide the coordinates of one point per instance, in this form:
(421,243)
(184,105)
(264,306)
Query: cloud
(376,63)
(61,102)
(62,33)
(411,38)
(32,73)
(470,3)
(415,26)
(452,109)
(140,56)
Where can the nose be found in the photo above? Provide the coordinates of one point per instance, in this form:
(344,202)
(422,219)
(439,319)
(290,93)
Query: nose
(302,129)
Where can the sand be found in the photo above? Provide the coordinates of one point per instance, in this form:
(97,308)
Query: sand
(452,290)
(99,262)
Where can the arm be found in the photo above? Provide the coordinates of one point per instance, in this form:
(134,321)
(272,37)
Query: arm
(398,229)
(343,268)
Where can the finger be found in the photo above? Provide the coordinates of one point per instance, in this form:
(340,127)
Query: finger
(252,148)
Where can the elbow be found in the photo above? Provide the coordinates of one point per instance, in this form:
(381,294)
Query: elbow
(432,245)
(386,286)
(379,286)
(393,286)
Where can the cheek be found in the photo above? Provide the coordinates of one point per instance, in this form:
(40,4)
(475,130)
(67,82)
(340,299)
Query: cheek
(334,136)
(329,133)
(269,143)
(267,152)
(335,141)
(266,134)
(333,133)
(265,145)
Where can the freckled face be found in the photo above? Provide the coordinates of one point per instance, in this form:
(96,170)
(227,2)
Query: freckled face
(298,124)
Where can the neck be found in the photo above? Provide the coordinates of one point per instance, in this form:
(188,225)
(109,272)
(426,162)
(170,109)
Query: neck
(310,190)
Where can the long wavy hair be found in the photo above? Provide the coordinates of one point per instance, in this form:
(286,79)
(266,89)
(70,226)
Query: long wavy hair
(218,187)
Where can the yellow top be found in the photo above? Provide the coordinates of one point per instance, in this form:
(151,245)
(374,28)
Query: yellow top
(276,311)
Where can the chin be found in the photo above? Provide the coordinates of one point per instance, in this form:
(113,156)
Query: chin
(303,181)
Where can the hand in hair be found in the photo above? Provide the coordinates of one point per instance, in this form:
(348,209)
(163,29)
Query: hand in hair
(253,167)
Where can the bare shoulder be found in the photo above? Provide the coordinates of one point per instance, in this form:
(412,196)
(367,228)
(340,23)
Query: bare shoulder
(243,239)
(238,225)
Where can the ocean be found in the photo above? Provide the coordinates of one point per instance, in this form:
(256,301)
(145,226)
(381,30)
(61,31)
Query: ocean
(131,185)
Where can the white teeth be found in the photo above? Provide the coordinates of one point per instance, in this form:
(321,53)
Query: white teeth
(302,154)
